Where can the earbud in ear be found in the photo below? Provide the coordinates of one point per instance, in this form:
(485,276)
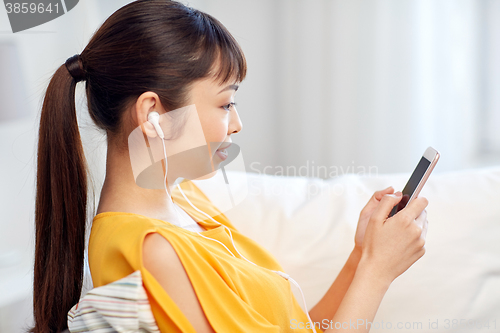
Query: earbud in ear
(154,119)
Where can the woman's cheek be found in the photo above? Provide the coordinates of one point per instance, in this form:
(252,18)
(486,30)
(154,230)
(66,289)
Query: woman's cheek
(214,135)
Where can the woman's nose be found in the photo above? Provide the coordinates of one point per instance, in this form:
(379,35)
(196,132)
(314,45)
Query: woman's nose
(235,124)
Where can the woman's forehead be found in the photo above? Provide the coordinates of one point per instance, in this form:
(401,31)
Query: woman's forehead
(214,86)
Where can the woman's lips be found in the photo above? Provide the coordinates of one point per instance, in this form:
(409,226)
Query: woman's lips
(222,152)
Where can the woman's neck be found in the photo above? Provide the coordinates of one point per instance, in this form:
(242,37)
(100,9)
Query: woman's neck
(121,193)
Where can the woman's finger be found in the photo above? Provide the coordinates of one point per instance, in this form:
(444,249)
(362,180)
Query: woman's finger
(379,194)
(375,199)
(414,208)
(385,206)
(424,229)
(420,220)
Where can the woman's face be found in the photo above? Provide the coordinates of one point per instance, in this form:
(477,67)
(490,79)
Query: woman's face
(196,134)
(217,113)
(207,131)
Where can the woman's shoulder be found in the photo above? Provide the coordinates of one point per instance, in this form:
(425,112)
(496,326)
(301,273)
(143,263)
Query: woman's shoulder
(117,231)
(115,244)
(116,221)
(122,229)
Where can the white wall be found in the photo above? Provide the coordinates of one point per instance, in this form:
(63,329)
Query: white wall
(365,84)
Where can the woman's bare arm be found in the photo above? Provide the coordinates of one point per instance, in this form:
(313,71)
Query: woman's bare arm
(328,305)
(360,303)
(161,260)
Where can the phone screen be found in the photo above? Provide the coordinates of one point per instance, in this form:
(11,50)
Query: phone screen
(412,184)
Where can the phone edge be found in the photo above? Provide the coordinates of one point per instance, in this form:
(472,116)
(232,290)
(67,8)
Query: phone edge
(425,177)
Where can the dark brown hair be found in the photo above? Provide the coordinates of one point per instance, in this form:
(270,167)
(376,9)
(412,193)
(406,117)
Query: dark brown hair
(148,45)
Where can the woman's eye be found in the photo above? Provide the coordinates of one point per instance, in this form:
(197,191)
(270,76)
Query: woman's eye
(228,106)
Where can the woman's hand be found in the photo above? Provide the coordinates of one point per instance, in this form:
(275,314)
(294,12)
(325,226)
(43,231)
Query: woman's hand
(366,213)
(392,245)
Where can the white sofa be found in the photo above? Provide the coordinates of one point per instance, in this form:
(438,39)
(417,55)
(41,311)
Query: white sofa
(309,225)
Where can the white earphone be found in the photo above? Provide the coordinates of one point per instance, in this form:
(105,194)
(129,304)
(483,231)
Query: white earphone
(154,119)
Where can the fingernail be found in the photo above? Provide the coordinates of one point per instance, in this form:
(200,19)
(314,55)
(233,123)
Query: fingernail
(395,195)
(399,193)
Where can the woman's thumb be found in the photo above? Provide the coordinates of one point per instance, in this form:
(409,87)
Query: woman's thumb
(385,206)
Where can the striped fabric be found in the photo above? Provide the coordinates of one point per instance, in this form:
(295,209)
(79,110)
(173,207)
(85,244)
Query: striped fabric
(120,306)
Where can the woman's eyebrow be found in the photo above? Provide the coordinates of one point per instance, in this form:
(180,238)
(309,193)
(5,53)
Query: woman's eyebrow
(232,86)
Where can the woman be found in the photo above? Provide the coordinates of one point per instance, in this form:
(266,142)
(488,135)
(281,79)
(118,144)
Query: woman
(158,55)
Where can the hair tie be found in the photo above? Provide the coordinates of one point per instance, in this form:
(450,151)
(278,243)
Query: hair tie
(75,68)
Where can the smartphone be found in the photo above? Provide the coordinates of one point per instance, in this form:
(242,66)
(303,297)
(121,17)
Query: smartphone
(417,179)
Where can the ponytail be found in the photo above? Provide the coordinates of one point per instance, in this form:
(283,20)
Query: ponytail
(60,209)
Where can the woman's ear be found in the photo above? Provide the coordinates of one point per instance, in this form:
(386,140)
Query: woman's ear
(149,130)
(147,102)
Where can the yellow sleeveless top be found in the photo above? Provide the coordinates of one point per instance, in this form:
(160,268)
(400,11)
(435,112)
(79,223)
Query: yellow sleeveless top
(235,295)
